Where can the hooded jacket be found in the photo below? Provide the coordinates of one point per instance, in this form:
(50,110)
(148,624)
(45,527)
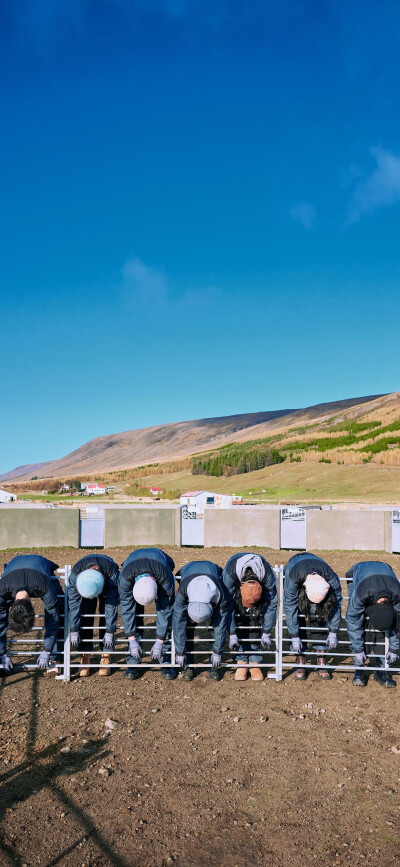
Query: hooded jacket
(109,594)
(370,581)
(35,574)
(295,574)
(155,562)
(220,609)
(266,608)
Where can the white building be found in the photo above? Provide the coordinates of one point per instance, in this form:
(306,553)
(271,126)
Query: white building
(197,500)
(6,497)
(95,488)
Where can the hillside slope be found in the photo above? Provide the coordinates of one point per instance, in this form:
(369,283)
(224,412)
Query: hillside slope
(164,442)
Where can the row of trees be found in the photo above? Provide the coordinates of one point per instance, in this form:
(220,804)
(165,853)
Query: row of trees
(236,459)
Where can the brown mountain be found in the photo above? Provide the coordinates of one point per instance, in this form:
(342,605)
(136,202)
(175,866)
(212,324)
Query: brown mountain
(164,442)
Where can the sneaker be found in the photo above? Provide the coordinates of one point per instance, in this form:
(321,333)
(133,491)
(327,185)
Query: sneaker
(132,673)
(359,679)
(188,674)
(216,674)
(384,679)
(168,674)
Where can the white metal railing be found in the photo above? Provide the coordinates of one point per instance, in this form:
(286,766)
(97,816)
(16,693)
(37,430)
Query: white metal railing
(343,650)
(282,658)
(20,650)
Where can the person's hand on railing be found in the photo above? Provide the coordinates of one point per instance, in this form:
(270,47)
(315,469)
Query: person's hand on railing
(180,660)
(74,640)
(331,640)
(266,642)
(296,645)
(234,642)
(156,650)
(43,659)
(215,660)
(135,648)
(391,657)
(108,642)
(6,662)
(360,658)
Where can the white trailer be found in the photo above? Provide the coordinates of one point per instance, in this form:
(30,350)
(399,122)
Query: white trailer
(6,497)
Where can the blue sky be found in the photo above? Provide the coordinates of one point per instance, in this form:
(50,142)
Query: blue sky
(200,211)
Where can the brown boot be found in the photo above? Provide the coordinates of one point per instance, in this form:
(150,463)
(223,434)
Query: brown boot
(241,671)
(301,672)
(105,660)
(85,661)
(322,672)
(256,673)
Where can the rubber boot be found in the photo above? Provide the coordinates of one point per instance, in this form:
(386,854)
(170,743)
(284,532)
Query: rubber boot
(84,672)
(241,671)
(105,660)
(322,672)
(301,672)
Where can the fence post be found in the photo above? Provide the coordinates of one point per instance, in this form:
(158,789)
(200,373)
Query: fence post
(172,649)
(386,649)
(66,675)
(279,640)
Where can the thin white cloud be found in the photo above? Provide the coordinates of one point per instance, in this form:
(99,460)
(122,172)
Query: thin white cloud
(144,285)
(382,187)
(149,289)
(304,213)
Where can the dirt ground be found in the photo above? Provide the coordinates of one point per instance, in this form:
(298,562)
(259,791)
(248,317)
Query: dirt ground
(201,773)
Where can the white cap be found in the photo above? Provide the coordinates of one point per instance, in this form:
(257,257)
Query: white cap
(316,587)
(202,589)
(145,589)
(90,583)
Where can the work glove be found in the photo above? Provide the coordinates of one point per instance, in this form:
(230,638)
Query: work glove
(108,641)
(391,657)
(331,640)
(135,648)
(296,645)
(180,660)
(215,660)
(266,642)
(74,640)
(6,662)
(156,650)
(360,658)
(43,659)
(233,642)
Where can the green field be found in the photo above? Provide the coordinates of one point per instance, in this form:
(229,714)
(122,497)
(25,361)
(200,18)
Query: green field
(296,482)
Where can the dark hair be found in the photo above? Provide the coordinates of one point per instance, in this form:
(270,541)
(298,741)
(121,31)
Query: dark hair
(21,616)
(323,609)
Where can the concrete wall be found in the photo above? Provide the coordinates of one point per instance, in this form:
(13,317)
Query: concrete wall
(348,530)
(142,526)
(242,526)
(39,528)
(238,527)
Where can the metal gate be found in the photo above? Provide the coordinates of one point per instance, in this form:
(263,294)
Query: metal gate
(192,525)
(275,662)
(293,528)
(91,527)
(396,531)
